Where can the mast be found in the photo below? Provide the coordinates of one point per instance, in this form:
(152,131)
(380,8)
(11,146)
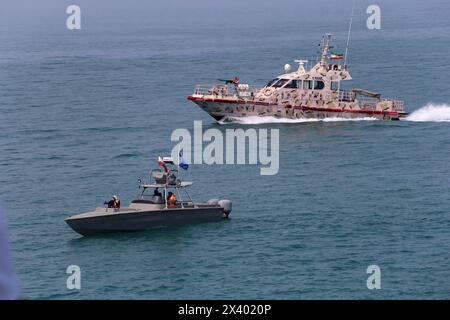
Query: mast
(325,47)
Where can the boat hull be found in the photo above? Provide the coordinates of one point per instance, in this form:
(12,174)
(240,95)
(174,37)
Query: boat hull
(117,221)
(223,110)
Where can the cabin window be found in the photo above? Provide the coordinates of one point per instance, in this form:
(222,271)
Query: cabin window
(319,85)
(280,83)
(293,84)
(307,84)
(334,85)
(272,82)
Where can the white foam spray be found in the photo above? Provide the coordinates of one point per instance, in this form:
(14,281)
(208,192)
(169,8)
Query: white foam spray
(431,113)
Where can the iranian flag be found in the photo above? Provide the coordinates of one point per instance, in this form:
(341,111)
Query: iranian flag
(336,56)
(162,165)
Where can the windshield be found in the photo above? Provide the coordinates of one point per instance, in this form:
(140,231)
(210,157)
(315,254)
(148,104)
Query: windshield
(271,82)
(293,84)
(280,83)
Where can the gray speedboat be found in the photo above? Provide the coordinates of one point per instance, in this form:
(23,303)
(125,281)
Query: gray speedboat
(152,209)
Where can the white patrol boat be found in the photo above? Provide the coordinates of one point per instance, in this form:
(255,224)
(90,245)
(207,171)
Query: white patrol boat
(303,94)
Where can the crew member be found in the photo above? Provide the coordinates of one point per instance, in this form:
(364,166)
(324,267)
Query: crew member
(156,193)
(171,199)
(114,203)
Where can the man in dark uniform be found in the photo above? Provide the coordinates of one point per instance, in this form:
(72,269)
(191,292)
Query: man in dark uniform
(113,203)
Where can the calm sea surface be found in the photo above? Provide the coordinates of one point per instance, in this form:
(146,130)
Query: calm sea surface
(84,113)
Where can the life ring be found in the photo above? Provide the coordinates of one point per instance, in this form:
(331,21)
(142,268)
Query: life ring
(268,92)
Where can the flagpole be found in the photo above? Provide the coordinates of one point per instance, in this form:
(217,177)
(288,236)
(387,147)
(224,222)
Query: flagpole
(179,171)
(349,31)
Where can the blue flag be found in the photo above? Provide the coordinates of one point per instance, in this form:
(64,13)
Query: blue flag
(182,163)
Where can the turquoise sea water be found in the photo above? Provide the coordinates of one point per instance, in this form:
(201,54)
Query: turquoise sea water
(84,114)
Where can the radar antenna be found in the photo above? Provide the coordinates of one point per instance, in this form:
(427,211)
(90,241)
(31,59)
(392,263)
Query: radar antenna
(301,65)
(349,31)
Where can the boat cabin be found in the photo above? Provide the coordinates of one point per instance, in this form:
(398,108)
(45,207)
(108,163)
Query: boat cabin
(162,185)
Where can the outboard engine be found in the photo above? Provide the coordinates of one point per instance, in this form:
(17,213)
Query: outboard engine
(226,206)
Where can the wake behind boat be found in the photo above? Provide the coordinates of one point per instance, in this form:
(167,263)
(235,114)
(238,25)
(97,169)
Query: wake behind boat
(152,208)
(304,94)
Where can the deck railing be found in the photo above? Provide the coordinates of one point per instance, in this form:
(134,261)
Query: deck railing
(204,89)
(400,105)
(222,90)
(367,103)
(346,95)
